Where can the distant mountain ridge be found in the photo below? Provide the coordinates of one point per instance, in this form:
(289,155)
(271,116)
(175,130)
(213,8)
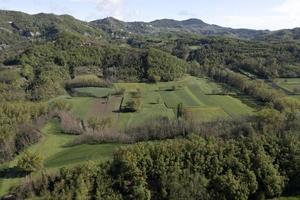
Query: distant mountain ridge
(195,26)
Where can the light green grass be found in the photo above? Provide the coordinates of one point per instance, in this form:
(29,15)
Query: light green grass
(289,84)
(159,100)
(170,98)
(232,106)
(296,97)
(80,105)
(288,198)
(79,154)
(205,114)
(188,99)
(94,91)
(152,105)
(53,148)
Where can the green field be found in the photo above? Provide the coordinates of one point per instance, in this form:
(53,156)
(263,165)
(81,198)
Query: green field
(196,94)
(291,85)
(93,91)
(55,153)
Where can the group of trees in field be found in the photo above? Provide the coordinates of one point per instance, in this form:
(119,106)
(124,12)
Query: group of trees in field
(86,81)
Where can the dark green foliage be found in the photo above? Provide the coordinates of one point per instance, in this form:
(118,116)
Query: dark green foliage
(89,181)
(23,26)
(179,111)
(222,170)
(48,82)
(191,168)
(86,81)
(266,60)
(13,136)
(164,67)
(132,105)
(30,162)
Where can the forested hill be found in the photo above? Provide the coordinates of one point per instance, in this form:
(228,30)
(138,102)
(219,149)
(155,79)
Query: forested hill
(18,26)
(195,26)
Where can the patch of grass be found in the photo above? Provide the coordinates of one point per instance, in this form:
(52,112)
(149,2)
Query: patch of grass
(94,91)
(288,198)
(232,106)
(9,75)
(170,98)
(187,98)
(206,114)
(80,105)
(296,97)
(290,84)
(79,154)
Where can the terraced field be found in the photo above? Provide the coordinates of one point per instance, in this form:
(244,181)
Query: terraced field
(291,85)
(200,98)
(93,91)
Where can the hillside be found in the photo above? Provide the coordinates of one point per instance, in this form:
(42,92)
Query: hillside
(18,26)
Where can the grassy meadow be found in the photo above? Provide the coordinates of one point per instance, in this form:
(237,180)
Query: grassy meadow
(291,85)
(200,97)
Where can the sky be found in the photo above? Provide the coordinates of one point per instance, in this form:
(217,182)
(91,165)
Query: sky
(254,14)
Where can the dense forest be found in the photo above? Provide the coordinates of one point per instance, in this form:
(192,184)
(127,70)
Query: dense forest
(45,57)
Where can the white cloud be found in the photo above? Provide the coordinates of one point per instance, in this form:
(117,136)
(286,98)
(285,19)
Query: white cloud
(112,8)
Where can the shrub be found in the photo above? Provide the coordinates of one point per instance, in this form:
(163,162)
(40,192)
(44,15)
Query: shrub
(120,92)
(69,123)
(100,137)
(132,105)
(60,105)
(30,162)
(99,124)
(86,81)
